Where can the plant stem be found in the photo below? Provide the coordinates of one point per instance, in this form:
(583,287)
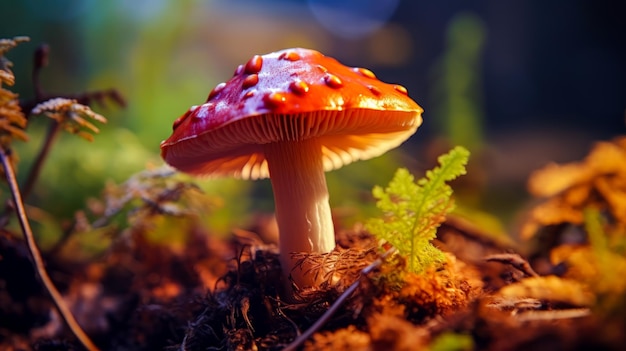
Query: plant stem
(33,175)
(64,310)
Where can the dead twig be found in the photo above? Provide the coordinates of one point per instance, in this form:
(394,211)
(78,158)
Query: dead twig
(514,260)
(553,315)
(64,310)
(35,170)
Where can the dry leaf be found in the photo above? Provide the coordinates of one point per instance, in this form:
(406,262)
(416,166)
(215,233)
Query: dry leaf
(72,116)
(599,181)
(551,212)
(603,273)
(549,288)
(12,119)
(554,178)
(613,190)
(6,75)
(605,158)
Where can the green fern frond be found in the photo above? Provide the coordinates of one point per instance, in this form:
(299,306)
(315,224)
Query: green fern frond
(413,210)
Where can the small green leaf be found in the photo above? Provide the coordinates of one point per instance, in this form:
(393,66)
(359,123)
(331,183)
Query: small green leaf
(413,210)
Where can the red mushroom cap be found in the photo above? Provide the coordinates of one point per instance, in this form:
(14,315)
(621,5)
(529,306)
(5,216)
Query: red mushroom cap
(291,95)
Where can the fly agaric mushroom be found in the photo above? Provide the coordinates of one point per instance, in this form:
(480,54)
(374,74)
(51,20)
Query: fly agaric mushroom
(291,115)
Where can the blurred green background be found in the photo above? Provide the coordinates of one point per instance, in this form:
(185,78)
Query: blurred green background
(519,83)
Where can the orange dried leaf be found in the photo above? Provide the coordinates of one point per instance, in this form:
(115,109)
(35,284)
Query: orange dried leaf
(12,130)
(7,77)
(602,273)
(551,212)
(614,193)
(580,261)
(598,181)
(549,288)
(554,178)
(605,158)
(12,120)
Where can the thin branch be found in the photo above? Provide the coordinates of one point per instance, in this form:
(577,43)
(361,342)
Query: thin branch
(514,260)
(553,315)
(40,60)
(35,170)
(64,310)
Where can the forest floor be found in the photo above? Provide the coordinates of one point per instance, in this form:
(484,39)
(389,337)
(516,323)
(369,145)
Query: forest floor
(562,289)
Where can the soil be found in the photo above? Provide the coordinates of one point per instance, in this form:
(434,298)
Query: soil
(223,295)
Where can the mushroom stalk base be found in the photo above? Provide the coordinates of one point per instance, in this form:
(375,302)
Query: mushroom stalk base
(301,199)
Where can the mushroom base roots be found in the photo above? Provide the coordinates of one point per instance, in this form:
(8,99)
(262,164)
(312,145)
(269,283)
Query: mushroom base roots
(301,199)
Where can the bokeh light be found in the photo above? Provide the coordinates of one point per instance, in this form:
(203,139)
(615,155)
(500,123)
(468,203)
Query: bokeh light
(352,19)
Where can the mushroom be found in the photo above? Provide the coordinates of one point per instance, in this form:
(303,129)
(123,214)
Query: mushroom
(291,115)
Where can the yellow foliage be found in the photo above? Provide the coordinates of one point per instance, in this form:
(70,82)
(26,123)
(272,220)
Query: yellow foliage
(549,288)
(590,195)
(605,159)
(12,119)
(603,273)
(599,181)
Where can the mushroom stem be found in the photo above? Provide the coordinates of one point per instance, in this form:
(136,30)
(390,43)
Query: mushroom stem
(301,199)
